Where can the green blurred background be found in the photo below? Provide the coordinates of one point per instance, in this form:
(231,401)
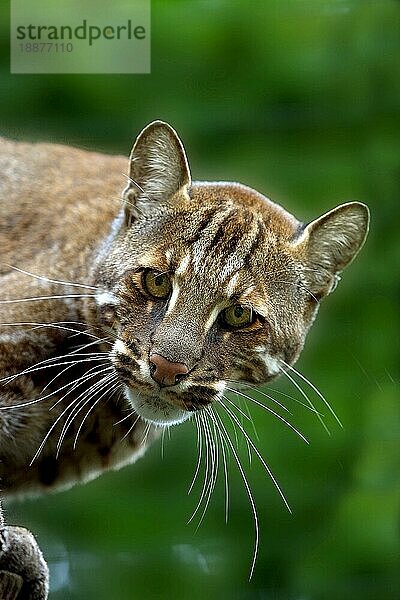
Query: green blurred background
(299,99)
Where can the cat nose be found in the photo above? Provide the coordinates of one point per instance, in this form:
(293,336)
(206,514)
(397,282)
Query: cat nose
(165,372)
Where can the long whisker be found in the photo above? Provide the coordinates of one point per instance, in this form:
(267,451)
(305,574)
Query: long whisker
(128,416)
(277,415)
(300,287)
(213,474)
(39,450)
(280,392)
(226,478)
(162,443)
(258,454)
(242,414)
(46,437)
(51,362)
(104,340)
(41,398)
(223,432)
(110,388)
(57,325)
(251,421)
(316,390)
(258,391)
(199,452)
(145,434)
(202,422)
(60,374)
(85,397)
(76,383)
(57,297)
(235,405)
(303,393)
(130,428)
(307,406)
(41,278)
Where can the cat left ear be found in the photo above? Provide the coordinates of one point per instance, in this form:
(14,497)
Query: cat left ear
(158,168)
(328,244)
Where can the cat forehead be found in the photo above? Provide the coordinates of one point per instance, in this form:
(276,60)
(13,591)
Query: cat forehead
(222,220)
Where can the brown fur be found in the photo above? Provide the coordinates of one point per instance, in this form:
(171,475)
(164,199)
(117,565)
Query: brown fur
(221,244)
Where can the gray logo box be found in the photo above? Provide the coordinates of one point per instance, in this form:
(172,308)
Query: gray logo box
(80,36)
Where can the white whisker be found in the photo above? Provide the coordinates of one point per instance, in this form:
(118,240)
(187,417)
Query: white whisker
(130,428)
(37,298)
(124,418)
(213,474)
(302,392)
(199,452)
(202,422)
(258,454)
(110,388)
(221,428)
(46,437)
(316,390)
(84,397)
(268,409)
(46,279)
(226,478)
(51,362)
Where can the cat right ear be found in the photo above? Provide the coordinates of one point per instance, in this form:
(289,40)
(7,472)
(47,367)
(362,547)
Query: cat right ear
(328,244)
(158,169)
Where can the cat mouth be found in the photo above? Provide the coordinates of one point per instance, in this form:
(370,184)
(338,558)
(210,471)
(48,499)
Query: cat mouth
(156,409)
(164,405)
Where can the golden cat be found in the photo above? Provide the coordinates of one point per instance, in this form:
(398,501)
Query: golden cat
(139,314)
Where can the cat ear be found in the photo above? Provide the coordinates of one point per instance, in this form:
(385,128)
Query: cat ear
(158,168)
(328,244)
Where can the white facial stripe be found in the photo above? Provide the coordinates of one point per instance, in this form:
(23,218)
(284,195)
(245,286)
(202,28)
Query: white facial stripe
(248,291)
(232,264)
(12,338)
(144,370)
(183,265)
(106,298)
(120,347)
(198,252)
(219,386)
(168,254)
(214,314)
(230,288)
(272,364)
(173,299)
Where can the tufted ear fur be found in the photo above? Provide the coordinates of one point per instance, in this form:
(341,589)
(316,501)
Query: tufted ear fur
(328,244)
(158,168)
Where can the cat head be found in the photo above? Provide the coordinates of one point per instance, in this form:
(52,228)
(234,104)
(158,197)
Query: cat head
(206,284)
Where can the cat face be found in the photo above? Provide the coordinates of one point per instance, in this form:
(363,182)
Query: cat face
(209,284)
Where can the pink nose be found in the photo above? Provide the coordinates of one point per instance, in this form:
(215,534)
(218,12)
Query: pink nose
(164,371)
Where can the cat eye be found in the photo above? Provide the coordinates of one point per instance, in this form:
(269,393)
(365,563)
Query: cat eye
(156,284)
(237,316)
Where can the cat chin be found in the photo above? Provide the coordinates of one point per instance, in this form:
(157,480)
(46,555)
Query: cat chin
(155,410)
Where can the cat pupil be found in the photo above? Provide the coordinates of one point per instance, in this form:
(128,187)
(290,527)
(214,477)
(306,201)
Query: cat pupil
(238,311)
(158,280)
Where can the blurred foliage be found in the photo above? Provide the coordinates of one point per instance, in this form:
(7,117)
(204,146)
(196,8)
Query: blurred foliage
(300,99)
